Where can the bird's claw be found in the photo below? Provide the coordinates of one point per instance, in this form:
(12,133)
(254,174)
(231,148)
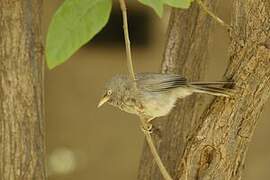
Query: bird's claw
(147,128)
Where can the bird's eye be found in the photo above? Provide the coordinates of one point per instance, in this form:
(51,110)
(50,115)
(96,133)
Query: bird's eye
(109,92)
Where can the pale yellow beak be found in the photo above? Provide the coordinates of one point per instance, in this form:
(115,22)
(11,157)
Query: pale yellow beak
(103,100)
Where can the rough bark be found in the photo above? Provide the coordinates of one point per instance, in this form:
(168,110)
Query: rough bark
(214,145)
(22,147)
(186,53)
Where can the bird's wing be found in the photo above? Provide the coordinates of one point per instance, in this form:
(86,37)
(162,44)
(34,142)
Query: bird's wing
(156,82)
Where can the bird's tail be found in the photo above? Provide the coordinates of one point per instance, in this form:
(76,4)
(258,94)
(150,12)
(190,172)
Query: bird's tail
(212,88)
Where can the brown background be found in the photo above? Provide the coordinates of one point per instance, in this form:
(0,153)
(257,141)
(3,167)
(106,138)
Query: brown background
(84,142)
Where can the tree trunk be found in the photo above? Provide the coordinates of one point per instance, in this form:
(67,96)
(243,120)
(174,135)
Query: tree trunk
(22,132)
(214,145)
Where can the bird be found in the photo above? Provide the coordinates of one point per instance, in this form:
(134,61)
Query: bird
(153,95)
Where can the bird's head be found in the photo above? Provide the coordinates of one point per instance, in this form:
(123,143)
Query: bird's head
(114,90)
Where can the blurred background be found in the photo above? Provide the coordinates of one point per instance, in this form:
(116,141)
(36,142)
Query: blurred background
(84,142)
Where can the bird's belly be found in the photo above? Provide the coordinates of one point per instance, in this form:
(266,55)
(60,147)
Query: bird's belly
(158,105)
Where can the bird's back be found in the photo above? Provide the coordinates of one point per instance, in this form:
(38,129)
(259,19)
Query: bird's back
(156,82)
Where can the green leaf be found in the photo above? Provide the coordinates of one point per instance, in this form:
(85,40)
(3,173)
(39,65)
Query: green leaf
(178,3)
(73,25)
(157,5)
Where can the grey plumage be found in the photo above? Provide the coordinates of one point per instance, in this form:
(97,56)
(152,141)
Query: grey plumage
(155,94)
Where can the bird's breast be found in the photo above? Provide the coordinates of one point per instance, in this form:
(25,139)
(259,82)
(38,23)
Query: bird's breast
(127,103)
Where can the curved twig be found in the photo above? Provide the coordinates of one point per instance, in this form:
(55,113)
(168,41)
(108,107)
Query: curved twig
(127,41)
(147,134)
(210,13)
(153,150)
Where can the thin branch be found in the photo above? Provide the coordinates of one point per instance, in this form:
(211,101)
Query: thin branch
(220,21)
(127,41)
(153,150)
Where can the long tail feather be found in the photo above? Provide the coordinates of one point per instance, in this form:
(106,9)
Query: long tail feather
(207,88)
(216,83)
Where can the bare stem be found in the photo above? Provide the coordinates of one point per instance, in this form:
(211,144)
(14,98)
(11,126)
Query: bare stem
(153,150)
(127,41)
(220,21)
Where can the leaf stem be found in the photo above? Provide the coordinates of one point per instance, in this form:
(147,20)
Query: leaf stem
(153,150)
(216,18)
(127,41)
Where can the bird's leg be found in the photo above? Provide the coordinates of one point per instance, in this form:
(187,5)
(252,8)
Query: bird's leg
(150,119)
(146,125)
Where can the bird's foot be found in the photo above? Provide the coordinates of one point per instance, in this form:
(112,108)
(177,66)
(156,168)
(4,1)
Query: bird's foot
(147,127)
